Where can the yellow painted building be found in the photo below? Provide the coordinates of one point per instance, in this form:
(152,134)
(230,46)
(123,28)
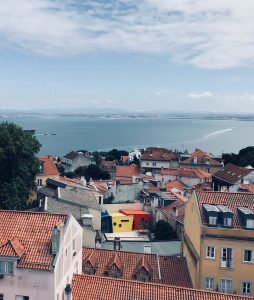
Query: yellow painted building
(218,241)
(121,222)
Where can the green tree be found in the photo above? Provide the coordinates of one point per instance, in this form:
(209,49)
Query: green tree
(92,171)
(135,161)
(163,231)
(18,166)
(244,158)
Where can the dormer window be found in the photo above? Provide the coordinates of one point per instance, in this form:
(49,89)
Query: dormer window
(6,267)
(227,222)
(212,221)
(250,223)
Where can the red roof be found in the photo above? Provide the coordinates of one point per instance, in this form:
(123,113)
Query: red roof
(134,212)
(127,171)
(171,209)
(230,200)
(173,269)
(174,184)
(28,234)
(247,187)
(90,287)
(48,166)
(202,158)
(184,172)
(159,154)
(232,173)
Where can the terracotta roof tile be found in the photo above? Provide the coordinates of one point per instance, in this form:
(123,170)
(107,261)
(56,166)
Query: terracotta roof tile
(48,166)
(170,209)
(129,262)
(202,158)
(29,234)
(87,287)
(159,154)
(127,171)
(177,184)
(184,172)
(232,173)
(247,187)
(12,248)
(230,200)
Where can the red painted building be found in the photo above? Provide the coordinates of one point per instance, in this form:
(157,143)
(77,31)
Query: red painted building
(138,217)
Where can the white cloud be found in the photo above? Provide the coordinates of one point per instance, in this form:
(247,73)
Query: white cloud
(200,95)
(210,34)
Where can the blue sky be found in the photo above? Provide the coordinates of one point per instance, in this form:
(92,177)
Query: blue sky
(176,55)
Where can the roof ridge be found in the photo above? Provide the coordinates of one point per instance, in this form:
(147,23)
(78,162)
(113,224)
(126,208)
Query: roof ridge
(160,285)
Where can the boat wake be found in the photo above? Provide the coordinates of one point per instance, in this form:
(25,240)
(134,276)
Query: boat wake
(218,132)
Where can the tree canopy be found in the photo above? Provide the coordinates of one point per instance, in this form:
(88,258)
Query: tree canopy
(163,231)
(244,158)
(92,171)
(18,166)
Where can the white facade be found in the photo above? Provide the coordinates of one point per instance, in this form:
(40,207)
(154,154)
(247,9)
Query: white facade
(41,284)
(188,181)
(153,164)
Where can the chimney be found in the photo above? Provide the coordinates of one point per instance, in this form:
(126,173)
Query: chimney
(82,181)
(55,240)
(147,248)
(87,219)
(68,292)
(117,244)
(97,240)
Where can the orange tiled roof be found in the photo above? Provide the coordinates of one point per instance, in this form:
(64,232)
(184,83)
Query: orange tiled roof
(184,172)
(231,200)
(179,205)
(202,158)
(159,154)
(12,248)
(29,234)
(87,287)
(174,269)
(48,166)
(124,158)
(177,184)
(127,171)
(232,173)
(247,187)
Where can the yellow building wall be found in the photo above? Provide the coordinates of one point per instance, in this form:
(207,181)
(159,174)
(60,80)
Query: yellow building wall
(121,222)
(191,241)
(44,178)
(211,267)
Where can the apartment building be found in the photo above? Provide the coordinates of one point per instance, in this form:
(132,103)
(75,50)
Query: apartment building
(218,241)
(39,253)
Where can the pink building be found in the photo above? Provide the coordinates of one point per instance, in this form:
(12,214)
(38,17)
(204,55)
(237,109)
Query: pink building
(39,253)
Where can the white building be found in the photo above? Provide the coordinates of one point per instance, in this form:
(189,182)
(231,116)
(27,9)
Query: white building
(39,253)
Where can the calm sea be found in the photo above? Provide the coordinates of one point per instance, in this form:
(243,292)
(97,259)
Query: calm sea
(74,133)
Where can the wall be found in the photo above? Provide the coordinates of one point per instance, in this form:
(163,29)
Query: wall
(148,164)
(36,284)
(69,260)
(191,242)
(211,268)
(88,238)
(118,207)
(128,192)
(122,223)
(212,169)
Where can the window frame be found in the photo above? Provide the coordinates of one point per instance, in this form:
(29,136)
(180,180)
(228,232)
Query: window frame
(252,222)
(227,225)
(207,251)
(227,260)
(213,218)
(226,280)
(6,264)
(209,280)
(242,287)
(252,256)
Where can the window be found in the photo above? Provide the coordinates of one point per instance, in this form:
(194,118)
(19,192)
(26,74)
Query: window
(250,224)
(212,221)
(154,163)
(39,182)
(124,220)
(210,252)
(73,244)
(120,225)
(209,283)
(6,267)
(226,285)
(226,257)
(66,252)
(247,256)
(147,164)
(114,223)
(22,298)
(227,222)
(246,288)
(1,296)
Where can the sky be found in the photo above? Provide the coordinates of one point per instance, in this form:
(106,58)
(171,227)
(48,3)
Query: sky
(146,55)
